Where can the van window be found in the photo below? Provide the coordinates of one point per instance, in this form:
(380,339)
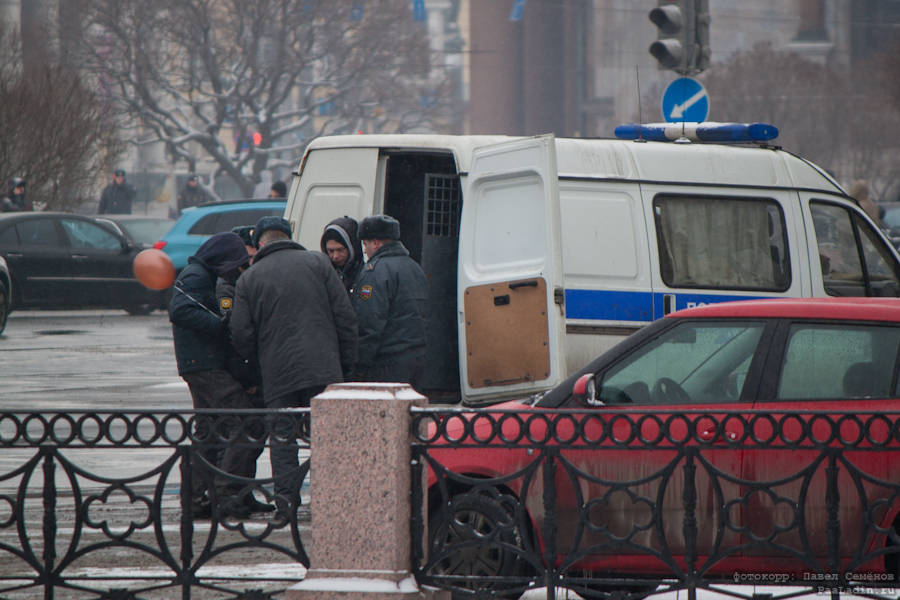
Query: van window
(854,260)
(722,243)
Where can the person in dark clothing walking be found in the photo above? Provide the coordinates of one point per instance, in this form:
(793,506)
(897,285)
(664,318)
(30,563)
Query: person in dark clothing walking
(16,201)
(291,311)
(192,194)
(117,196)
(390,298)
(201,342)
(341,243)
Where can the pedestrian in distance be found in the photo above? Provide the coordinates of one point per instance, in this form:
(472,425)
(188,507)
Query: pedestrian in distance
(16,200)
(390,298)
(340,241)
(291,310)
(192,194)
(200,335)
(278,190)
(117,197)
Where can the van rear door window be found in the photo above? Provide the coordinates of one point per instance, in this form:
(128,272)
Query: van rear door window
(719,242)
(855,261)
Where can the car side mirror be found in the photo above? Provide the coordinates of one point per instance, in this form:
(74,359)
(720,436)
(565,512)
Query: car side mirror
(585,390)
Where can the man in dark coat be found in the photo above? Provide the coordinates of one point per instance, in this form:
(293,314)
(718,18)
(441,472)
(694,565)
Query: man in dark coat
(292,312)
(192,194)
(117,196)
(341,243)
(390,298)
(201,342)
(16,200)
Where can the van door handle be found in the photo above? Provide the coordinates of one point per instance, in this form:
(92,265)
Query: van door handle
(519,284)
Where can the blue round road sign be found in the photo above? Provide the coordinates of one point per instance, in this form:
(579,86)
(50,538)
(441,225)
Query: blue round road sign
(685,100)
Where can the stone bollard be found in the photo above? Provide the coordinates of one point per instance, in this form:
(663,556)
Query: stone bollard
(361,476)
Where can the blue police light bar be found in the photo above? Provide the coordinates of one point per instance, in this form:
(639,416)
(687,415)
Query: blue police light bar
(707,131)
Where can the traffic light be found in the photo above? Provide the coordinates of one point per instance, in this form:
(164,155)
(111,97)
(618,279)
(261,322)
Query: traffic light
(682,43)
(675,21)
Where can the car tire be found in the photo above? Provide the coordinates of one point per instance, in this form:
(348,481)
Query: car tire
(486,534)
(5,302)
(139,310)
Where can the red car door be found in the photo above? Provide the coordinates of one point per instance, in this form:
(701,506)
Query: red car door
(839,379)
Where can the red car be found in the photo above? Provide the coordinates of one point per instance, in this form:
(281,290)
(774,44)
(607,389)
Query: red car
(738,441)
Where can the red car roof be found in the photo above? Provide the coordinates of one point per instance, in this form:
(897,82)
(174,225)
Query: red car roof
(863,309)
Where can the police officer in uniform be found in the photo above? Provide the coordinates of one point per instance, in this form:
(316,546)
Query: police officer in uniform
(390,299)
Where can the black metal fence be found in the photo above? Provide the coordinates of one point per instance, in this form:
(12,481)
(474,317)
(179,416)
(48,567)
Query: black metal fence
(101,505)
(624,503)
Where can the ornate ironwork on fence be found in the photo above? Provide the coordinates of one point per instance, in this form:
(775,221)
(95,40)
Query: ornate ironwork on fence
(629,503)
(101,505)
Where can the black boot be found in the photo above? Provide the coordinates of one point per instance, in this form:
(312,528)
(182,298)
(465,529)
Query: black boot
(256,506)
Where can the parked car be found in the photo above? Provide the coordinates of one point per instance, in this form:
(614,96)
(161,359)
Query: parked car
(5,293)
(140,230)
(621,458)
(198,223)
(890,221)
(62,260)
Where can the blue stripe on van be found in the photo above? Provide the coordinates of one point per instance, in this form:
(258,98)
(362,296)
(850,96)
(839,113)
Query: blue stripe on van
(613,305)
(606,305)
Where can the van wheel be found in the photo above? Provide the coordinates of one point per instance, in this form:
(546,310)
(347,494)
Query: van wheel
(472,537)
(4,306)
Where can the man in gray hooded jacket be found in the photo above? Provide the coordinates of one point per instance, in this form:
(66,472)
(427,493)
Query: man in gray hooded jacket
(341,243)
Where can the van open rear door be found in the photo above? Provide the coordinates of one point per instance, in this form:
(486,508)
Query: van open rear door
(334,182)
(510,273)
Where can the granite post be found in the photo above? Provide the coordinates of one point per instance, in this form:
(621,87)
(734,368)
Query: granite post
(360,478)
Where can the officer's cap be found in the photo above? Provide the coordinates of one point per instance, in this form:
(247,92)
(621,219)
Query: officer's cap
(271,222)
(379,227)
(245,232)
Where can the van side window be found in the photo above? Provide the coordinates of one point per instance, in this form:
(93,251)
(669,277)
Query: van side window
(854,260)
(722,243)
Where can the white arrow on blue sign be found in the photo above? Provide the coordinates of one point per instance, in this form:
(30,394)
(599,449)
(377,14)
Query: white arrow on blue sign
(685,100)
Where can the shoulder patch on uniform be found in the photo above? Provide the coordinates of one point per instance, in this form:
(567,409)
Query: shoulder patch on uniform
(365,292)
(225,303)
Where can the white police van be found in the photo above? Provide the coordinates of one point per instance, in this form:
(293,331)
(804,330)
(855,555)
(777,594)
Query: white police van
(542,253)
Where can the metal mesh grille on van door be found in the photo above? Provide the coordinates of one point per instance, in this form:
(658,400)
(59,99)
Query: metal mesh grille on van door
(442,213)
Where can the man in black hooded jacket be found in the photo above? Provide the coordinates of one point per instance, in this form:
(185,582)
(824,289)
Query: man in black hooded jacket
(341,243)
(201,342)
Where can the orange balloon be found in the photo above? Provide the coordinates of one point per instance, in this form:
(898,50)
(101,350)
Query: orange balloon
(154,269)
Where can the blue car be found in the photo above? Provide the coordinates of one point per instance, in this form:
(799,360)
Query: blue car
(198,223)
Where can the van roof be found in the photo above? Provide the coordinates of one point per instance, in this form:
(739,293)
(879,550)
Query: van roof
(726,164)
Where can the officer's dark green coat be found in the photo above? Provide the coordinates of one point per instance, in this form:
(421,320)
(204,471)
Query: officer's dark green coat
(390,299)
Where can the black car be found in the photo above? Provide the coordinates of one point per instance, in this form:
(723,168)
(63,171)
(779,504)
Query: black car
(62,260)
(140,230)
(5,289)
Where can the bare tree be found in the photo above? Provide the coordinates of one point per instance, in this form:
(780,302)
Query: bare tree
(248,84)
(842,119)
(52,129)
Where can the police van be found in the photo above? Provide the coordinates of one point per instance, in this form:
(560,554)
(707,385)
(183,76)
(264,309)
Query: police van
(543,252)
